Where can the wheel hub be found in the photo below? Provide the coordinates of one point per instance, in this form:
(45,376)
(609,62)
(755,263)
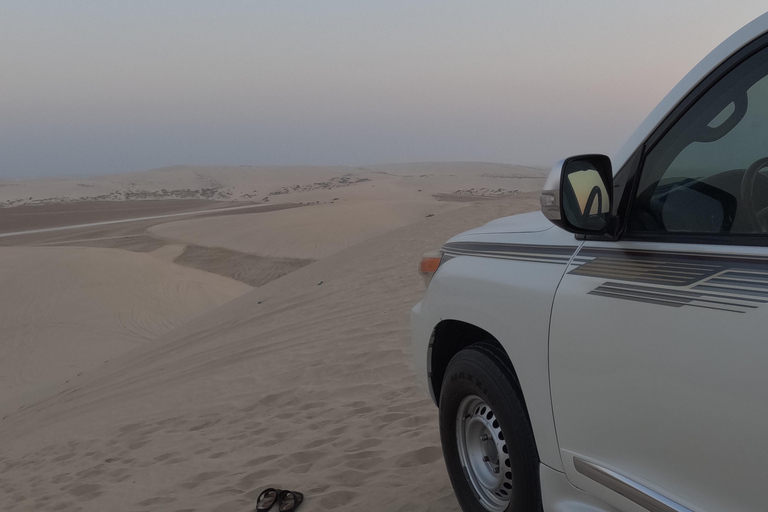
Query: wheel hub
(483,453)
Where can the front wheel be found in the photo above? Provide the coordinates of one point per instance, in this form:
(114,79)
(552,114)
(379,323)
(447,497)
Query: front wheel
(487,440)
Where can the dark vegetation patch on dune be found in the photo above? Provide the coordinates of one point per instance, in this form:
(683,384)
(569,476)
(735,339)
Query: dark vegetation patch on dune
(475,194)
(247,268)
(214,193)
(134,243)
(341,181)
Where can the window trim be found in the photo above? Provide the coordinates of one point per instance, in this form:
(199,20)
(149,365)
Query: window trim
(683,106)
(706,83)
(747,240)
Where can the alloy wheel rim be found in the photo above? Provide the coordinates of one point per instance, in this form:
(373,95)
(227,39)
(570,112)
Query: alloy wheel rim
(483,453)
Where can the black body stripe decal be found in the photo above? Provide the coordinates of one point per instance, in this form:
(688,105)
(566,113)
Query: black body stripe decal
(556,254)
(729,283)
(722,282)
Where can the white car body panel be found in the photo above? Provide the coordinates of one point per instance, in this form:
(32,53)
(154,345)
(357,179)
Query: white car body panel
(479,291)
(575,340)
(703,375)
(533,222)
(559,495)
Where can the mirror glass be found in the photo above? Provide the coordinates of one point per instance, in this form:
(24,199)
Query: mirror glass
(586,201)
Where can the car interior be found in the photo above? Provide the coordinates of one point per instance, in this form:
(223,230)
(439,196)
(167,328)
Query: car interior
(685,186)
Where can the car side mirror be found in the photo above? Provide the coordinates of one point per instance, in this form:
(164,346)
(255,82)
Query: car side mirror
(578,194)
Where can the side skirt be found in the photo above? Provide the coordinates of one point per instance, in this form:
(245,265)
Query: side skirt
(633,491)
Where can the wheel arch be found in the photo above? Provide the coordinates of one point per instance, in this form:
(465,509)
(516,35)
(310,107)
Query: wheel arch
(451,336)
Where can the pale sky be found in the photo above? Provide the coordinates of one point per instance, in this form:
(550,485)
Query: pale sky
(101,87)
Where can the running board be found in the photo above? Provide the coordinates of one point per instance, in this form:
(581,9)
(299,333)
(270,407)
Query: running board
(633,491)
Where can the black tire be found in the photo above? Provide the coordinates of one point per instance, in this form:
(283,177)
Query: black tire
(481,371)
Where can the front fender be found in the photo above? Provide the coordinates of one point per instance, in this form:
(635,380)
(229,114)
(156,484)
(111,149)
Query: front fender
(511,300)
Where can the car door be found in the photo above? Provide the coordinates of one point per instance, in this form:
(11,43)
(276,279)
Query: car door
(659,341)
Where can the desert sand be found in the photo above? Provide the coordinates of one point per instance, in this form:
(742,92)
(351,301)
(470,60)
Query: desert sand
(181,387)
(75,307)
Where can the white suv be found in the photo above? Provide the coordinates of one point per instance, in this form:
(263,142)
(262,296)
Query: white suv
(611,354)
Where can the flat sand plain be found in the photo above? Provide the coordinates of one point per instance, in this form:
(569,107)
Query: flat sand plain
(172,384)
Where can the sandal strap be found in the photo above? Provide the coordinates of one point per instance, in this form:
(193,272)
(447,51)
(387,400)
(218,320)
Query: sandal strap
(264,495)
(297,499)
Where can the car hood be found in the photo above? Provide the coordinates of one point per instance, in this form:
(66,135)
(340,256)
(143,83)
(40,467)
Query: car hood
(533,222)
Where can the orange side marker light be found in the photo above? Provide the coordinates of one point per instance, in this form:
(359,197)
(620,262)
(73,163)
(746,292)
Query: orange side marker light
(428,265)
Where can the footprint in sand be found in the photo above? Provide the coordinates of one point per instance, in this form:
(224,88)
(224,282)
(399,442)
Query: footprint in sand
(202,478)
(419,457)
(62,478)
(337,499)
(176,460)
(392,417)
(320,442)
(127,429)
(260,460)
(119,475)
(138,444)
(86,491)
(364,445)
(204,425)
(337,431)
(307,456)
(233,506)
(302,468)
(64,458)
(319,425)
(160,500)
(414,421)
(174,421)
(226,490)
(250,480)
(166,456)
(63,505)
(364,464)
(90,473)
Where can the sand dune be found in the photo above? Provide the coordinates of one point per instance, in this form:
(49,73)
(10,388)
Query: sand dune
(302,383)
(65,309)
(309,233)
(130,381)
(393,196)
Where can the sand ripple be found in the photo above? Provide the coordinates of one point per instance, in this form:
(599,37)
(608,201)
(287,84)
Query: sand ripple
(297,384)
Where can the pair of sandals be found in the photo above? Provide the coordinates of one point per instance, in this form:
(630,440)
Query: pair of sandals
(287,501)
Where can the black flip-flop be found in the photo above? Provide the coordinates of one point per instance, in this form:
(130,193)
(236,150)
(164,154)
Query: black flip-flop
(289,501)
(267,499)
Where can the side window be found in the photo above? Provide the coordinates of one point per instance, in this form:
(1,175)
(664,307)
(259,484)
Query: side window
(704,175)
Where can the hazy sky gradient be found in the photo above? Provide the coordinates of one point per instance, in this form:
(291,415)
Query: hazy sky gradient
(101,87)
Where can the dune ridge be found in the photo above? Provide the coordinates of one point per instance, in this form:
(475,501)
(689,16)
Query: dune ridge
(66,309)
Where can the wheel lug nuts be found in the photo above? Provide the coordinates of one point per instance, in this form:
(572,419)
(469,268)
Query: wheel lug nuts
(496,470)
(484,437)
(486,459)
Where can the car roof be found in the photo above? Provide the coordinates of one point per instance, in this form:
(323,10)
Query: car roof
(749,32)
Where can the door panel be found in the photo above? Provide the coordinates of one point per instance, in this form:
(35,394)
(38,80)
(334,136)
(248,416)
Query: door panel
(659,370)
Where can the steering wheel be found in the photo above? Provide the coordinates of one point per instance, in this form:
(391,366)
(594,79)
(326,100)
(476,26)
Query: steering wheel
(757,220)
